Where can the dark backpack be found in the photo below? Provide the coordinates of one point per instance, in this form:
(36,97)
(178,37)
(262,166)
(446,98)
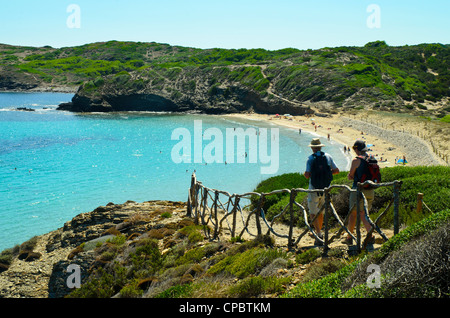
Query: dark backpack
(371,171)
(321,175)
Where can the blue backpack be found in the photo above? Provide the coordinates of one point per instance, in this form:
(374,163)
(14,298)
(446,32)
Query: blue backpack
(321,175)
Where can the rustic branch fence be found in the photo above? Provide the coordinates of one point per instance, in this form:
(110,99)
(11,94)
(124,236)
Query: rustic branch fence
(229,208)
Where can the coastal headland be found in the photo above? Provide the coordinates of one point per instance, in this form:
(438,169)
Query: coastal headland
(394,98)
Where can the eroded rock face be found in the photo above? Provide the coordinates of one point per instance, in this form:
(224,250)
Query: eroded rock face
(189,91)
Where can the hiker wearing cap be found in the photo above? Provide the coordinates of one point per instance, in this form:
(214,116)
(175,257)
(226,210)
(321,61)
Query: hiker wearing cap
(357,173)
(320,169)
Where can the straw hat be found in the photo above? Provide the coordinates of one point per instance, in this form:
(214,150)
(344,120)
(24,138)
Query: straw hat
(316,143)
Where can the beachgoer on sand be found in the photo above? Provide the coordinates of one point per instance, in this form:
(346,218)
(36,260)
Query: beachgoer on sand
(320,169)
(358,170)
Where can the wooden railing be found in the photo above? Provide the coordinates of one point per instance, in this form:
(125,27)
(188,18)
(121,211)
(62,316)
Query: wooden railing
(217,212)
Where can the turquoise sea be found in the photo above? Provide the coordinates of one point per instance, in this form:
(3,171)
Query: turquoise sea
(55,165)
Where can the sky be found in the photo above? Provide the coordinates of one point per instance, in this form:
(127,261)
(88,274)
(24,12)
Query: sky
(229,24)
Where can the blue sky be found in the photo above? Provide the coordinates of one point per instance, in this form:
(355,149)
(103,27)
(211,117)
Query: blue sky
(226,24)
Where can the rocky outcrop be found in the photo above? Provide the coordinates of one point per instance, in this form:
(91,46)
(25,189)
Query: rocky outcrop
(11,79)
(39,270)
(180,90)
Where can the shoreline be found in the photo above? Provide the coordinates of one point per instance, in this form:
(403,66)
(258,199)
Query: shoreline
(387,144)
(47,89)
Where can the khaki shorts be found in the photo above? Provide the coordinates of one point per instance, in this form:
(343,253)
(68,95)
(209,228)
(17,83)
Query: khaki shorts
(369,194)
(315,202)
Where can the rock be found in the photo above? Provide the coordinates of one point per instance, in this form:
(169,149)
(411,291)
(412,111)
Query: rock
(42,269)
(32,256)
(144,284)
(137,92)
(90,245)
(23,255)
(123,227)
(3,267)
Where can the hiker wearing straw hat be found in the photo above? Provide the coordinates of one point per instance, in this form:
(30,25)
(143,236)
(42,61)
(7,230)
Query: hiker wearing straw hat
(320,169)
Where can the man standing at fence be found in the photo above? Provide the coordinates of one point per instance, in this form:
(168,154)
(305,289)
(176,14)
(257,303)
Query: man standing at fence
(320,169)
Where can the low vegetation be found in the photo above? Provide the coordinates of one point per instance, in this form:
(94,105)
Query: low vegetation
(377,74)
(183,263)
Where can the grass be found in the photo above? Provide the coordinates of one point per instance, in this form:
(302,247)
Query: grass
(433,182)
(246,263)
(333,285)
(194,267)
(326,287)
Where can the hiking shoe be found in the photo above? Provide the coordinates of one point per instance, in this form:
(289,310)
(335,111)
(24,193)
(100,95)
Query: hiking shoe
(347,241)
(317,242)
(370,240)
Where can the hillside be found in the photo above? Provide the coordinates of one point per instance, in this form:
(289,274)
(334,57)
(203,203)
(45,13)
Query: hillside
(151,76)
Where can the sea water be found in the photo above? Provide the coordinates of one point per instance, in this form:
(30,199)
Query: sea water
(56,164)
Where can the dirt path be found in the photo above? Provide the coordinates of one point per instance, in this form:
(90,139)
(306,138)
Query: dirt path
(282,229)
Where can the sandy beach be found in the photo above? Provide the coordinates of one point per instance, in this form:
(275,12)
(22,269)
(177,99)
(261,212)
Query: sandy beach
(387,145)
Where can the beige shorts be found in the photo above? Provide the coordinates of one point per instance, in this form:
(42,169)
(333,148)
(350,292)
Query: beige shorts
(369,194)
(315,202)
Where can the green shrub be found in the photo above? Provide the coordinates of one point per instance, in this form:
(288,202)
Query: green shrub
(326,287)
(101,284)
(193,232)
(433,182)
(178,291)
(308,256)
(166,215)
(255,286)
(146,259)
(131,290)
(417,229)
(246,263)
(118,240)
(322,269)
(445,119)
(192,256)
(413,264)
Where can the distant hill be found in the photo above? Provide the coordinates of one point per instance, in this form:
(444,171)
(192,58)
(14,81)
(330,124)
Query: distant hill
(123,75)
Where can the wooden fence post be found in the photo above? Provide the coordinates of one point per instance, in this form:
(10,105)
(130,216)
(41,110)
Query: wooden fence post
(258,213)
(419,202)
(293,194)
(325,220)
(358,218)
(191,196)
(236,203)
(216,220)
(396,206)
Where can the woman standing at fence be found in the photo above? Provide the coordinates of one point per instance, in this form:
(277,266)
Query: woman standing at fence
(357,170)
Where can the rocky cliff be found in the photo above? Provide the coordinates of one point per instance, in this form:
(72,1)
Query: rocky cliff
(207,90)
